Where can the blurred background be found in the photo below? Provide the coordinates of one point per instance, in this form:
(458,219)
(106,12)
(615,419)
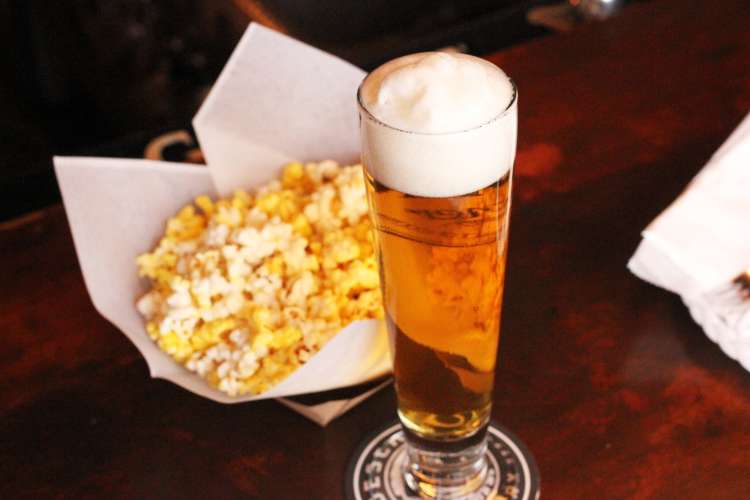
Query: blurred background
(104,77)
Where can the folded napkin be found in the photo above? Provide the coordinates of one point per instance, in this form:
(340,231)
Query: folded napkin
(697,246)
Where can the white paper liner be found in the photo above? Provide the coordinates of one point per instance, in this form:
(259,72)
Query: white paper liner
(117,210)
(277,100)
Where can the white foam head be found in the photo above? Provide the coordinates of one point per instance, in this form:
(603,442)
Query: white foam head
(438,124)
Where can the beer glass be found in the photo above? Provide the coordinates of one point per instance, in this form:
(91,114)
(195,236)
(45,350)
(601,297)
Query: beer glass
(439,204)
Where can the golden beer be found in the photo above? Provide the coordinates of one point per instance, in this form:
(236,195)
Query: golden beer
(442,271)
(438,134)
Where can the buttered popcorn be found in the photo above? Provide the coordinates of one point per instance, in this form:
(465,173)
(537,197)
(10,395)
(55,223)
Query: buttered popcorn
(246,289)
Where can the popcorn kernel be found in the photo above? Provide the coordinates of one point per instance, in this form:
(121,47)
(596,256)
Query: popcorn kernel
(246,289)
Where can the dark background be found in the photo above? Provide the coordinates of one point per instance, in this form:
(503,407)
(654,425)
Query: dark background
(105,76)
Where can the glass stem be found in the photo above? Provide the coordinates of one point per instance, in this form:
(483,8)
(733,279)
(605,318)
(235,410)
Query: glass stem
(445,474)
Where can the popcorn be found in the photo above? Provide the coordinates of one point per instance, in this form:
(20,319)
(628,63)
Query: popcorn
(248,288)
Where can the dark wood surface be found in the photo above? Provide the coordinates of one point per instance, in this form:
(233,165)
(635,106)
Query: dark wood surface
(607,379)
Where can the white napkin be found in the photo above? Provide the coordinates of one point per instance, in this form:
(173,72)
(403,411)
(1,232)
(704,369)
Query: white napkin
(701,242)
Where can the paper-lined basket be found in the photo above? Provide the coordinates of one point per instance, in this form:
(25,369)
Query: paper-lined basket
(277,100)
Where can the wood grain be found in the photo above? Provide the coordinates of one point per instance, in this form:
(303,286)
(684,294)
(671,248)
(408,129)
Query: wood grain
(607,379)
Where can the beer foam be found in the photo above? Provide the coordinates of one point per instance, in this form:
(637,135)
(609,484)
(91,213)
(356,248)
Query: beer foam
(438,124)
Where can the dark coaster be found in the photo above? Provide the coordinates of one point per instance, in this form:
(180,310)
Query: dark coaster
(375,469)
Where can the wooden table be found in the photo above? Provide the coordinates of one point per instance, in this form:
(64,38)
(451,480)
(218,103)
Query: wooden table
(607,379)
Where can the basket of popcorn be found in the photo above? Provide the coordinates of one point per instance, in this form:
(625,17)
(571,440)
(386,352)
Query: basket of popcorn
(254,277)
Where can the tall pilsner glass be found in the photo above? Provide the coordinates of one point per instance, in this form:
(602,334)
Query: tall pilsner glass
(438,144)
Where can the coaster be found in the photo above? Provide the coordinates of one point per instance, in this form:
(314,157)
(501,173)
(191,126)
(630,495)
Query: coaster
(375,470)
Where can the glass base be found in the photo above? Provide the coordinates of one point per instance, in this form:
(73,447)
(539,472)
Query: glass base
(445,469)
(500,467)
